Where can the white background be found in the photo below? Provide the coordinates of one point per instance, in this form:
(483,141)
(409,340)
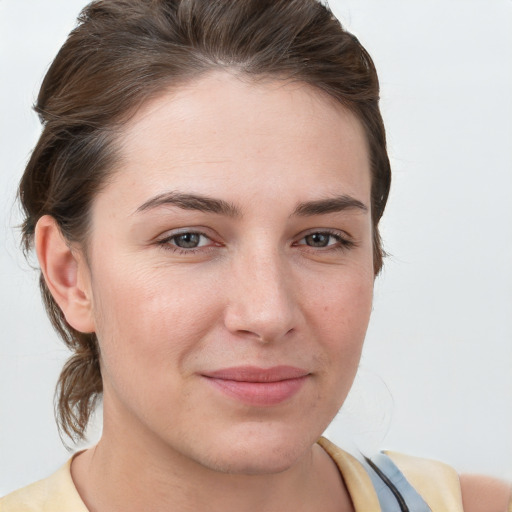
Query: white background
(436,374)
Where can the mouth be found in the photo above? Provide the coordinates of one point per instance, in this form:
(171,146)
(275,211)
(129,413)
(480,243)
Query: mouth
(258,386)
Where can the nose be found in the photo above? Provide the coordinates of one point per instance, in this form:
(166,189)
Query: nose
(261,300)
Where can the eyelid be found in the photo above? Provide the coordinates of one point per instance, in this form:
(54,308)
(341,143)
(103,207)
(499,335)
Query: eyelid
(165,240)
(325,231)
(199,230)
(344,240)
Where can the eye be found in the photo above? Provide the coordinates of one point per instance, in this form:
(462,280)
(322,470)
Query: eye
(326,240)
(319,239)
(186,240)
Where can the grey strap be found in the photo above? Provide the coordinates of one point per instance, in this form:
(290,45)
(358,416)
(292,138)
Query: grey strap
(395,493)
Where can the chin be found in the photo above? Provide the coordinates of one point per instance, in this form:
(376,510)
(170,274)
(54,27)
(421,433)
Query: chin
(258,451)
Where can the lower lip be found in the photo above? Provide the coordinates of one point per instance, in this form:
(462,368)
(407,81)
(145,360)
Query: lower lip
(259,393)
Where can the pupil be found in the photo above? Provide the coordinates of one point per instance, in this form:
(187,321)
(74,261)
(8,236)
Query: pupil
(318,240)
(187,240)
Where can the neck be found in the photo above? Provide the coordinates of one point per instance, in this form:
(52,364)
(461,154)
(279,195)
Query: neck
(132,473)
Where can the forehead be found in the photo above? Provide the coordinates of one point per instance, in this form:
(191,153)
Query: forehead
(237,132)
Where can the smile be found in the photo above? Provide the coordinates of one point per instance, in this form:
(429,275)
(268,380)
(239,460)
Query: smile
(258,386)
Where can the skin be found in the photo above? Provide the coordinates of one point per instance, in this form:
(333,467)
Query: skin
(270,283)
(256,292)
(485,494)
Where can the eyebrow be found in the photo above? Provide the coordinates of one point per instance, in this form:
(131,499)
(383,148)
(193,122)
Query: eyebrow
(191,202)
(219,206)
(329,205)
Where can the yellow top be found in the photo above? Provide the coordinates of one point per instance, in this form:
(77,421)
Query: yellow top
(56,493)
(436,482)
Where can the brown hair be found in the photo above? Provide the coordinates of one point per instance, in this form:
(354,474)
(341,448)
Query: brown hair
(124,51)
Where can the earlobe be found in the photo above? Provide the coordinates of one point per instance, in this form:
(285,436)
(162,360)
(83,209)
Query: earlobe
(66,274)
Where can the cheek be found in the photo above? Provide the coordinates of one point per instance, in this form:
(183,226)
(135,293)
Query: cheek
(149,318)
(342,305)
(339,315)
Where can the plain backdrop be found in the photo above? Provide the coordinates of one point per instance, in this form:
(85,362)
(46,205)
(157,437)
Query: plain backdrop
(436,377)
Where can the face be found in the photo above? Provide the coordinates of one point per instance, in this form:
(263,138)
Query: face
(231,274)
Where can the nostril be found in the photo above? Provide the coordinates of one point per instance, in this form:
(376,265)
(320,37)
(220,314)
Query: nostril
(264,336)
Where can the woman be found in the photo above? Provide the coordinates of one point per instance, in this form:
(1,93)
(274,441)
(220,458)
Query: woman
(204,202)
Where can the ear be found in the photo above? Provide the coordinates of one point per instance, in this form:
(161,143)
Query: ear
(66,274)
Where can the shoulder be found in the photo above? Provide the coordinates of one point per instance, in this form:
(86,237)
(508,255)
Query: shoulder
(437,484)
(27,499)
(56,493)
(477,493)
(394,478)
(485,494)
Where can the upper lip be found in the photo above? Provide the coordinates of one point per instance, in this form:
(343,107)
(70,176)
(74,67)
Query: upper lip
(257,374)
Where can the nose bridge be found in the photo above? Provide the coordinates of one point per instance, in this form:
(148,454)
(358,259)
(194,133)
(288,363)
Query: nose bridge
(262,301)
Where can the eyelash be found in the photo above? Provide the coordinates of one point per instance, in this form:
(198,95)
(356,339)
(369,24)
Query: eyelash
(166,243)
(342,243)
